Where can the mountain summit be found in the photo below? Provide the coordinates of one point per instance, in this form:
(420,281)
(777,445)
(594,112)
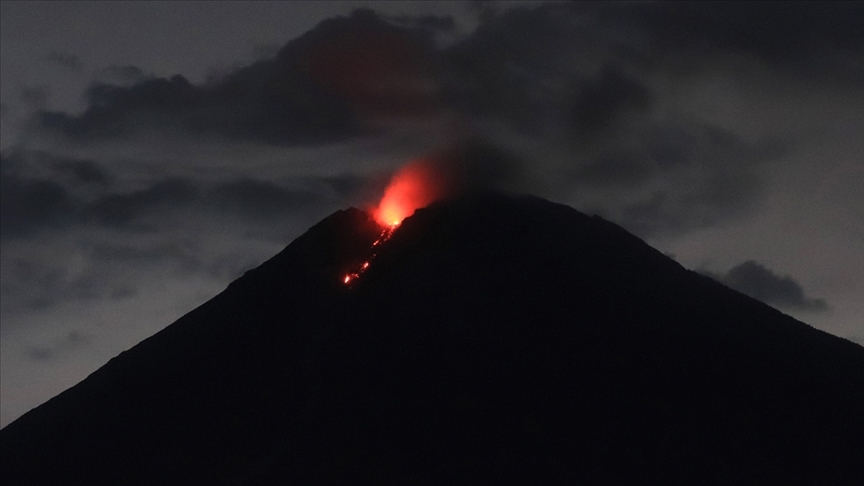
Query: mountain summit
(492,339)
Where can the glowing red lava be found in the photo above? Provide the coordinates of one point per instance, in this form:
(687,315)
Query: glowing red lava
(414,186)
(385,235)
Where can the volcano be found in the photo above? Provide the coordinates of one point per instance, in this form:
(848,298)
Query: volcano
(494,339)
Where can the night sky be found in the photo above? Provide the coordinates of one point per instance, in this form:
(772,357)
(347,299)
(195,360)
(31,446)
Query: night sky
(153,152)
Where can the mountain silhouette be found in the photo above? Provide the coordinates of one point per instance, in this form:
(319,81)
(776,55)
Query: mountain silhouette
(494,339)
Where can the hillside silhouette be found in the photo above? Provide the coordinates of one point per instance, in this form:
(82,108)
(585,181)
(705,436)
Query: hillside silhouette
(494,340)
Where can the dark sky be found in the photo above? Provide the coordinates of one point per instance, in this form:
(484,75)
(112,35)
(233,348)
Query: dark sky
(152,152)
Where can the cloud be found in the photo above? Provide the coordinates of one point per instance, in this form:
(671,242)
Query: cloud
(36,282)
(522,64)
(41,191)
(29,205)
(586,80)
(243,197)
(265,102)
(671,178)
(805,38)
(35,96)
(65,60)
(169,227)
(123,75)
(432,23)
(159,198)
(510,67)
(51,350)
(583,64)
(592,82)
(262,200)
(317,89)
(83,171)
(757,281)
(379,69)
(602,100)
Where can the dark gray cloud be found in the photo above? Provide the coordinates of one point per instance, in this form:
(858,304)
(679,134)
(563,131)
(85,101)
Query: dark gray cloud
(34,284)
(38,191)
(432,23)
(585,69)
(155,229)
(592,71)
(693,177)
(65,60)
(584,60)
(515,64)
(41,192)
(83,171)
(53,349)
(807,38)
(759,282)
(123,75)
(316,89)
(601,101)
(508,67)
(244,197)
(162,197)
(265,102)
(35,96)
(173,253)
(29,205)
(262,200)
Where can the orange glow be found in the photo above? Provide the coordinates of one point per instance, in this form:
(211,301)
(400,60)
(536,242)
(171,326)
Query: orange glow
(414,186)
(385,235)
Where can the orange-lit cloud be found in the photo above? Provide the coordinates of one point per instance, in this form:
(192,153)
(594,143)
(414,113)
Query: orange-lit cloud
(414,186)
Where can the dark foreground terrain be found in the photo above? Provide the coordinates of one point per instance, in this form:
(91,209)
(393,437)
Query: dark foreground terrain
(494,340)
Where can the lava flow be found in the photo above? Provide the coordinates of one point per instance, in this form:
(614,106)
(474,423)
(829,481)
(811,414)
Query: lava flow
(385,235)
(414,186)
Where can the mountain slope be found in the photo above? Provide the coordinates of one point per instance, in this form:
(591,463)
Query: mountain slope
(494,339)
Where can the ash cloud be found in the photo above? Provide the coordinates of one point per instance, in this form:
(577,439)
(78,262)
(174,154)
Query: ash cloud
(757,281)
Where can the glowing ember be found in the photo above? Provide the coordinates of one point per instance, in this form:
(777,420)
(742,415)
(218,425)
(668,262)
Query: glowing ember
(385,235)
